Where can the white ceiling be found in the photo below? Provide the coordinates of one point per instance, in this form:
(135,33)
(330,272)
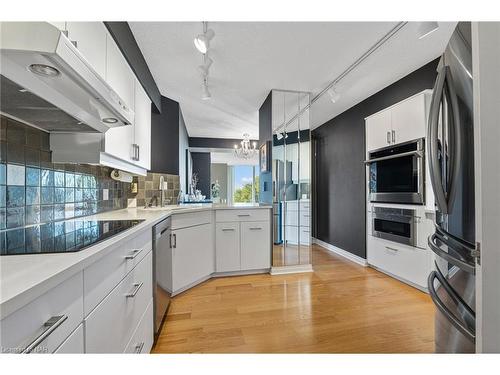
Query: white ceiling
(251,58)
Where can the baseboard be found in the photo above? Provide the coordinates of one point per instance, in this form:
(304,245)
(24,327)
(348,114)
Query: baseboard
(240,273)
(291,269)
(183,289)
(416,286)
(337,250)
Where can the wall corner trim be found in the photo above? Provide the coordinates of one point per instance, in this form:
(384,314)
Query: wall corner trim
(337,250)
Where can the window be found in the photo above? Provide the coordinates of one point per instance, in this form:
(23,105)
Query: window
(245,184)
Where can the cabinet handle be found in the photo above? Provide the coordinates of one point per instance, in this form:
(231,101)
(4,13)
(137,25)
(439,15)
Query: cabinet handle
(174,236)
(389,137)
(134,291)
(393,136)
(133,255)
(49,327)
(243,215)
(255,228)
(228,229)
(138,348)
(306,215)
(138,152)
(391,249)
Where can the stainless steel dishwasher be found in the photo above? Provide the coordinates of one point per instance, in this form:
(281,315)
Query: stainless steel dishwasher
(162,271)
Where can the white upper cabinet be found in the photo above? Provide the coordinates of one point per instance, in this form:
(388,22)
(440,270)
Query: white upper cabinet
(403,122)
(378,130)
(118,73)
(409,119)
(142,127)
(90,40)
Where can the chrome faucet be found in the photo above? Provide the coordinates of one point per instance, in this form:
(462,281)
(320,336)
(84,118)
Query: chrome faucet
(162,182)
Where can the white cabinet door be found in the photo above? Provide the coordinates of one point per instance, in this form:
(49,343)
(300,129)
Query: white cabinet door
(142,339)
(255,245)
(409,119)
(378,130)
(142,126)
(90,39)
(73,344)
(118,142)
(192,256)
(118,73)
(227,247)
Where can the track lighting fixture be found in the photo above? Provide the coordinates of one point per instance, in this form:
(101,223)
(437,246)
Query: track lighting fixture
(202,41)
(205,93)
(334,94)
(207,62)
(426,28)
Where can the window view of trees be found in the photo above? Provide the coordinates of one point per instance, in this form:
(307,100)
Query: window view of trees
(246,184)
(244,193)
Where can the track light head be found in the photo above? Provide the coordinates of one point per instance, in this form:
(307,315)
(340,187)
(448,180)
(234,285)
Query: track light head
(205,93)
(426,28)
(205,66)
(334,94)
(202,41)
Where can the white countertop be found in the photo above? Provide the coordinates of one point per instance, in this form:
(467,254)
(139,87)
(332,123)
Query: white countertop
(26,277)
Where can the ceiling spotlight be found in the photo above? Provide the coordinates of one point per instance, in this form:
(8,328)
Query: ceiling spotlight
(207,62)
(426,28)
(202,41)
(109,120)
(334,94)
(205,94)
(44,70)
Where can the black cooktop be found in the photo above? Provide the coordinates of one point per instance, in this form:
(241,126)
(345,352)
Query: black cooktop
(61,236)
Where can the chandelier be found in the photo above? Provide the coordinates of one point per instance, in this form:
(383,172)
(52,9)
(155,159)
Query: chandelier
(245,151)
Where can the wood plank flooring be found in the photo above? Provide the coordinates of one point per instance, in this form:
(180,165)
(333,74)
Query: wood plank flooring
(339,308)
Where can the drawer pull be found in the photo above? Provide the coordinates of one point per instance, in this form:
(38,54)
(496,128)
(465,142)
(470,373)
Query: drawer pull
(49,327)
(228,229)
(391,249)
(134,291)
(306,215)
(138,348)
(255,228)
(243,215)
(133,255)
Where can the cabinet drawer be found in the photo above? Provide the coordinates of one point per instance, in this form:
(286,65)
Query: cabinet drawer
(142,339)
(298,218)
(109,327)
(255,245)
(102,276)
(191,219)
(22,327)
(409,263)
(242,215)
(227,247)
(295,205)
(73,344)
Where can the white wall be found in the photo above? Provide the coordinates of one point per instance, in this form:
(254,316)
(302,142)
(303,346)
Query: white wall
(486,63)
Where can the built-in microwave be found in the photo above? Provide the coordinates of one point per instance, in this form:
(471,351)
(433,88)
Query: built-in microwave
(397,173)
(394,224)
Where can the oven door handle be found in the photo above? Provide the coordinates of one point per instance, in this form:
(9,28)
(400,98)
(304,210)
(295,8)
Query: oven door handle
(418,154)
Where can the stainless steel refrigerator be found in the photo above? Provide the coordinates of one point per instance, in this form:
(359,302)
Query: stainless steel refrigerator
(451,164)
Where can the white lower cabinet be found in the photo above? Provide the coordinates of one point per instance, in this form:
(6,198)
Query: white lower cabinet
(227,243)
(61,306)
(192,255)
(406,262)
(255,245)
(110,326)
(74,344)
(242,240)
(142,339)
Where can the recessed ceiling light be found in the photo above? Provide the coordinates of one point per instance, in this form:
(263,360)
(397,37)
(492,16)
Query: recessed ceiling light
(334,94)
(426,28)
(202,41)
(109,120)
(44,70)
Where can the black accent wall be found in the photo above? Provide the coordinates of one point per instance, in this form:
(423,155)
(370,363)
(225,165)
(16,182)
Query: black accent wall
(265,135)
(165,137)
(339,216)
(201,166)
(213,142)
(121,33)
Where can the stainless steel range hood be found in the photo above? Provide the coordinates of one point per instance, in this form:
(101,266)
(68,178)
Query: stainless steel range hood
(47,83)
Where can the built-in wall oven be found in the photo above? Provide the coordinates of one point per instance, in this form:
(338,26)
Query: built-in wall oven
(397,173)
(394,224)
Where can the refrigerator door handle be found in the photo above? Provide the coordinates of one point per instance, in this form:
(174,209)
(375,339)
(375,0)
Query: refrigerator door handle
(456,150)
(432,241)
(471,335)
(432,136)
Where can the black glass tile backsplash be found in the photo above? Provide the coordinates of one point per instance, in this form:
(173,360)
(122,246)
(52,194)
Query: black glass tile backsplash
(34,190)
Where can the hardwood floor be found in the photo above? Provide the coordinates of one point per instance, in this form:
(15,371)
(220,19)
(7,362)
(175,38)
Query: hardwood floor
(339,308)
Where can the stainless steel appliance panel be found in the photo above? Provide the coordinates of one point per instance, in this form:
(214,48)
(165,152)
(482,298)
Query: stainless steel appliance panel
(394,224)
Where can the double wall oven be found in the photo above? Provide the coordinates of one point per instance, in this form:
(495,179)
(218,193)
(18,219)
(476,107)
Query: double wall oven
(397,173)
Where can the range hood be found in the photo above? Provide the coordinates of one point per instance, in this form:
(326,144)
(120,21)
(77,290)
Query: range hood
(47,83)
